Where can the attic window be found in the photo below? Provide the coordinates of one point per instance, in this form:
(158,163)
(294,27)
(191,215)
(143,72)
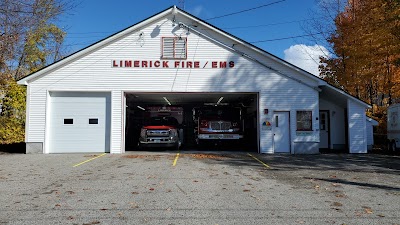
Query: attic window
(174,48)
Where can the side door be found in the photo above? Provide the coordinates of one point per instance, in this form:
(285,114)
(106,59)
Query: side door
(324,129)
(281,129)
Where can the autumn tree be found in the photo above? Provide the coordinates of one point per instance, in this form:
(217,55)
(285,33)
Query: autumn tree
(29,40)
(365,56)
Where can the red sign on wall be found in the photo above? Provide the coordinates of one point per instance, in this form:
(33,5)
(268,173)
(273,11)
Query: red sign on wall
(165,64)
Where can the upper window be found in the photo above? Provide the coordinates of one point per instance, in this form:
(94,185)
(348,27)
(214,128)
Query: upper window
(174,48)
(304,120)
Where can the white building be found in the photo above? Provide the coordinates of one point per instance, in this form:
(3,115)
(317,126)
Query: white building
(81,103)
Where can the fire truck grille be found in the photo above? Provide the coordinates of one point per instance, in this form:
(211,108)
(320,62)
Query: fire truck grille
(220,125)
(158,133)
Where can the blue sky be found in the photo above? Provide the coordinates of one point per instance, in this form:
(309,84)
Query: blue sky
(93,20)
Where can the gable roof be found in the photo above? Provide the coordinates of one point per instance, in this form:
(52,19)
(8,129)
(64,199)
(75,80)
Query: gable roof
(174,10)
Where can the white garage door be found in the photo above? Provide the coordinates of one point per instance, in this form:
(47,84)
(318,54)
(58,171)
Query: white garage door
(79,122)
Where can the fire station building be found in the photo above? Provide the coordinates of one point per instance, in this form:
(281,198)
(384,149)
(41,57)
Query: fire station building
(92,100)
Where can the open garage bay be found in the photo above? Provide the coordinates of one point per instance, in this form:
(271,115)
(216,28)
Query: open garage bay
(234,114)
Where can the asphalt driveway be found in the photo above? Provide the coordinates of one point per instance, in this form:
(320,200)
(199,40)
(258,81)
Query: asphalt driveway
(199,188)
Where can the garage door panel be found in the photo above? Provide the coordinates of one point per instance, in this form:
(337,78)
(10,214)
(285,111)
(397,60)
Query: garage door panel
(90,125)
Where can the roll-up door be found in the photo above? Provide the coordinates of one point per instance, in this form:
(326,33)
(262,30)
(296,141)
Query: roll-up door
(79,122)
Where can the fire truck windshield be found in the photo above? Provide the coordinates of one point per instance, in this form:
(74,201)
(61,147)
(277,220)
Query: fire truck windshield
(221,113)
(162,120)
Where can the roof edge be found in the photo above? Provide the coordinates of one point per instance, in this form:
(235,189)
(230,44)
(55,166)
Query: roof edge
(359,101)
(25,80)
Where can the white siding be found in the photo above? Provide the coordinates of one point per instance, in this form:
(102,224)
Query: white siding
(116,122)
(357,127)
(370,134)
(94,72)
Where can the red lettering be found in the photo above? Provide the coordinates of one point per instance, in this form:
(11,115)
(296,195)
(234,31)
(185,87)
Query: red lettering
(214,64)
(120,63)
(183,64)
(189,65)
(157,63)
(144,63)
(136,63)
(196,64)
(115,64)
(151,63)
(165,64)
(128,63)
(177,64)
(222,64)
(231,64)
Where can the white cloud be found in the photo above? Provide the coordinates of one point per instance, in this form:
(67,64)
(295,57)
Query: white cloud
(306,57)
(196,10)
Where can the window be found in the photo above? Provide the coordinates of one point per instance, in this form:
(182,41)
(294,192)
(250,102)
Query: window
(322,119)
(304,120)
(174,48)
(68,121)
(94,121)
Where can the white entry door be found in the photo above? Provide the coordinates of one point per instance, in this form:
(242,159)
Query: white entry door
(323,129)
(281,130)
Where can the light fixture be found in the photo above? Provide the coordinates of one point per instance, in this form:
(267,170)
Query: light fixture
(140,107)
(220,99)
(166,99)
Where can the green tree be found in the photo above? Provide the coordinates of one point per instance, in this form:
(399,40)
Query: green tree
(12,117)
(29,40)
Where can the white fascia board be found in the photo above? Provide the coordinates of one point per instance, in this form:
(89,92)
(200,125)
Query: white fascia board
(366,105)
(25,81)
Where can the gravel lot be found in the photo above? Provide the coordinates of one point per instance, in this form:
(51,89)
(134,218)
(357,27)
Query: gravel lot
(202,188)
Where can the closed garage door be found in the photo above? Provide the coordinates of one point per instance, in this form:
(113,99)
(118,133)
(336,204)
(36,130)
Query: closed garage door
(79,122)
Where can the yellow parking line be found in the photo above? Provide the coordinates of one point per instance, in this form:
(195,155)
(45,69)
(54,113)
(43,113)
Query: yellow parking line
(264,164)
(89,160)
(176,159)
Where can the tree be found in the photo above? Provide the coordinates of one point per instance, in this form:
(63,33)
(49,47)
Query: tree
(365,48)
(29,40)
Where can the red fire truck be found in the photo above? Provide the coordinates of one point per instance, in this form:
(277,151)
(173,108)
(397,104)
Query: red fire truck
(162,127)
(218,123)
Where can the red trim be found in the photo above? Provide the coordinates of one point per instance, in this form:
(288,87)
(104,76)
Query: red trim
(159,127)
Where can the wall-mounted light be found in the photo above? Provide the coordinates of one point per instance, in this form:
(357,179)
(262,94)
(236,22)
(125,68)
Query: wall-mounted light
(220,99)
(166,99)
(140,107)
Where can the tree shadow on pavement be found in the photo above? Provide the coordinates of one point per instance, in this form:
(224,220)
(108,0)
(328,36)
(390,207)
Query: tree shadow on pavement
(360,184)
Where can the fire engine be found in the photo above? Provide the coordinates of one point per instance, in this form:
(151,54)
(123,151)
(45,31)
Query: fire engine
(218,123)
(162,127)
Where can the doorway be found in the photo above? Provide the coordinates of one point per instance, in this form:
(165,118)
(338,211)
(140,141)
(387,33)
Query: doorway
(281,132)
(324,129)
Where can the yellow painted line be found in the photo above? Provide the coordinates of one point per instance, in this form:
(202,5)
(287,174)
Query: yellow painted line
(89,160)
(264,164)
(176,159)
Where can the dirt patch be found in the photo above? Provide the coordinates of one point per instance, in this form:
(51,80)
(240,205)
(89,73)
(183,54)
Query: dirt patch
(142,156)
(208,156)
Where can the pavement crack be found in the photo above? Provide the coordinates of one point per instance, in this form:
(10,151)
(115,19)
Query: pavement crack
(181,189)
